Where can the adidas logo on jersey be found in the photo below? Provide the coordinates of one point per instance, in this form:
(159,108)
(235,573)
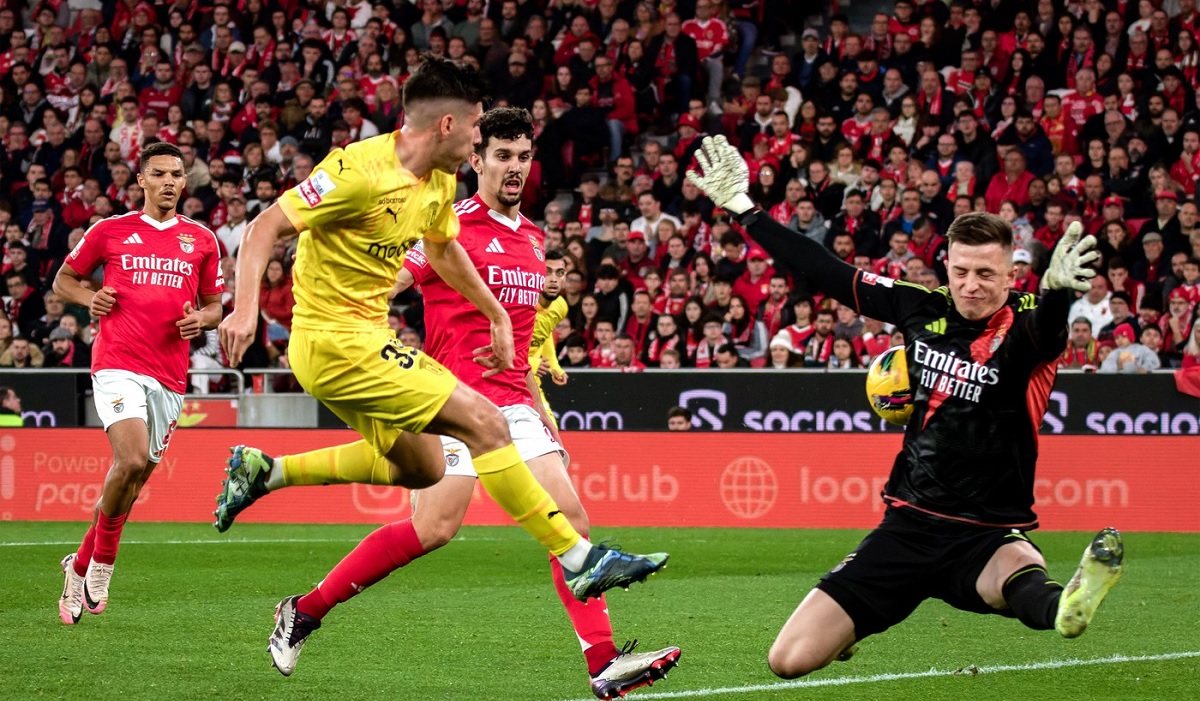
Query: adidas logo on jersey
(494,247)
(133,238)
(465,206)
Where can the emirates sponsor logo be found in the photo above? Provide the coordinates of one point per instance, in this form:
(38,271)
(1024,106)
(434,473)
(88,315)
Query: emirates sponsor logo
(157,264)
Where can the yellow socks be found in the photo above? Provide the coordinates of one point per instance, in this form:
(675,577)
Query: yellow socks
(508,480)
(344,464)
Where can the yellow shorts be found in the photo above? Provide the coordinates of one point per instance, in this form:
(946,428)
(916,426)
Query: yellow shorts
(378,386)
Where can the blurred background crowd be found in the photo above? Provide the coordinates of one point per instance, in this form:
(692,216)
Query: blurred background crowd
(867,132)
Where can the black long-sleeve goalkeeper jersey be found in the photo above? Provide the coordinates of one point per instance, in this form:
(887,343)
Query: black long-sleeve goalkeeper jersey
(980,387)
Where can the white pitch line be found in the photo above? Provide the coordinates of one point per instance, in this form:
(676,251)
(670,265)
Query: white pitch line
(873,678)
(220,541)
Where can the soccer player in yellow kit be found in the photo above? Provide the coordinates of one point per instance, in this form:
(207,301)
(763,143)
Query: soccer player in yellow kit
(357,215)
(552,309)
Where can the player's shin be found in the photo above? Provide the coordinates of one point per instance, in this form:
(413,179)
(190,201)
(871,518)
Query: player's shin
(590,621)
(508,480)
(1033,597)
(379,554)
(86,548)
(353,463)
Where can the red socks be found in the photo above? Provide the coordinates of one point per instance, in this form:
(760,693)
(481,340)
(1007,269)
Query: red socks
(107,539)
(589,620)
(83,556)
(379,554)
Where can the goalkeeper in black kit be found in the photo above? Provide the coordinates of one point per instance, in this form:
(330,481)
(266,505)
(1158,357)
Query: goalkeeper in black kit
(959,499)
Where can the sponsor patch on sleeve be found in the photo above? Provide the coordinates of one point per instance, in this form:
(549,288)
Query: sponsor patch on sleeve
(316,187)
(873,279)
(322,183)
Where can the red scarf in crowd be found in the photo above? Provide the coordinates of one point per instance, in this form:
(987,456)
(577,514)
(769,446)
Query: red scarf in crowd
(1074,65)
(929,105)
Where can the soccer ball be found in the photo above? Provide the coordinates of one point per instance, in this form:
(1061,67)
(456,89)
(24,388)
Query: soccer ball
(888,389)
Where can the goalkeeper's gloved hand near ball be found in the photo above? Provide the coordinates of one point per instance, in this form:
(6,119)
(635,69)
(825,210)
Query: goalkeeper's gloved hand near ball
(723,175)
(1069,265)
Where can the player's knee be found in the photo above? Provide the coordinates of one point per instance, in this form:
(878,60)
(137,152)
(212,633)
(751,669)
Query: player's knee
(418,475)
(490,430)
(792,661)
(128,467)
(437,533)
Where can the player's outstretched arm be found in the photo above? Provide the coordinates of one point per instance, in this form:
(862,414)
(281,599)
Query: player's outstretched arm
(724,177)
(542,410)
(451,263)
(237,330)
(1069,270)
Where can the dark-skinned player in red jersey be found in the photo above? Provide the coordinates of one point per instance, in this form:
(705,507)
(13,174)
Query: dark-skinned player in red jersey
(960,496)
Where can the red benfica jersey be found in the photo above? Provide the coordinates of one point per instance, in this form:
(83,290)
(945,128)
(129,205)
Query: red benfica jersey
(709,36)
(508,255)
(1079,108)
(155,267)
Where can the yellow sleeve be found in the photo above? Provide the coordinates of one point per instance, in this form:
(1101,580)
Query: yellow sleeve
(337,190)
(549,352)
(444,225)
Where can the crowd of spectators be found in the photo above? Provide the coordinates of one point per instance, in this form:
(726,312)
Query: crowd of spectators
(869,140)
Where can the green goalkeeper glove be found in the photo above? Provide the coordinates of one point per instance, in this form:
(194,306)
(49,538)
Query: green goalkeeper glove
(1068,266)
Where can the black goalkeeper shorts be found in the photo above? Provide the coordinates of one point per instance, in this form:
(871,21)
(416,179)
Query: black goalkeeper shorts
(911,557)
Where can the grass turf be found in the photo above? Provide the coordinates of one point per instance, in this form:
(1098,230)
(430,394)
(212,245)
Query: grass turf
(480,620)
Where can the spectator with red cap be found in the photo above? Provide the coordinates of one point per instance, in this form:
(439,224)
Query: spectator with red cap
(1176,324)
(1129,356)
(1166,221)
(753,285)
(637,262)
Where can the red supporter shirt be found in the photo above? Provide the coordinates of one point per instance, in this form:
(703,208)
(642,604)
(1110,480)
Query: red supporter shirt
(155,267)
(159,101)
(710,36)
(1079,108)
(508,255)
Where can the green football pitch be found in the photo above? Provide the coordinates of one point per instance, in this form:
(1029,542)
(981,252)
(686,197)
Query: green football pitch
(191,610)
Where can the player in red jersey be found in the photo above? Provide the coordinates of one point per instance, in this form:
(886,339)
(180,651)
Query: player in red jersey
(506,250)
(157,264)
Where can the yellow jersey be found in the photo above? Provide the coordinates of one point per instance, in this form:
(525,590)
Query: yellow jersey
(358,214)
(542,343)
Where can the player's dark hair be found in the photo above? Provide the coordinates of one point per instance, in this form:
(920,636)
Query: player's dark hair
(160,148)
(440,79)
(504,124)
(608,272)
(979,229)
(575,341)
(679,411)
(555,254)
(726,348)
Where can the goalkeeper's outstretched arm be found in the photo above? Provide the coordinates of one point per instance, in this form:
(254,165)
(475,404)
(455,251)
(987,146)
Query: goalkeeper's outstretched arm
(725,179)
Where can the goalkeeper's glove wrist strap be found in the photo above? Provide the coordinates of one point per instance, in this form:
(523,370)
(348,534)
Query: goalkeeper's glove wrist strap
(748,217)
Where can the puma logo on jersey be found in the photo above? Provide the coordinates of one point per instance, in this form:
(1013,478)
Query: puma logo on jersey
(494,247)
(392,212)
(133,238)
(341,167)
